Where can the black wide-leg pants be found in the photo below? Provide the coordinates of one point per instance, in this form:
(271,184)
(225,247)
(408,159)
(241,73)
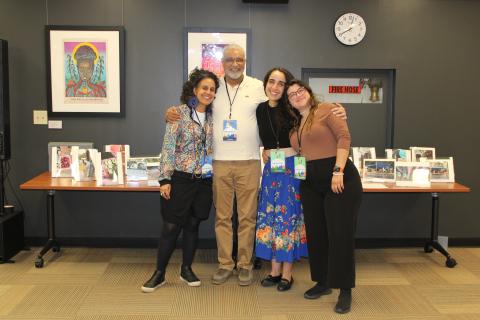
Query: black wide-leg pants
(330,221)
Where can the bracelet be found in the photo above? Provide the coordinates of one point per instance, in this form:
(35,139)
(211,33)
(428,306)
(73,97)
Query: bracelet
(338,173)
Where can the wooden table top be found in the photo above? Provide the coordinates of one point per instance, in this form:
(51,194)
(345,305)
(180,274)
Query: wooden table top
(45,182)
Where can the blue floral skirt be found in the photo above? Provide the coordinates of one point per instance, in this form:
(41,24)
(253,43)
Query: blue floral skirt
(280,232)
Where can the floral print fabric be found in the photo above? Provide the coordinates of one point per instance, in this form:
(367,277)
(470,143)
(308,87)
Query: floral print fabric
(182,144)
(280,232)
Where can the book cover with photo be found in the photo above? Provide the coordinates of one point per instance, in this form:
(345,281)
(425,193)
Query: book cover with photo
(111,168)
(441,170)
(82,164)
(123,149)
(137,169)
(422,153)
(153,168)
(361,153)
(399,154)
(379,170)
(412,174)
(61,162)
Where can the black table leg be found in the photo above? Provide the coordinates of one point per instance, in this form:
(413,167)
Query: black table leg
(433,242)
(51,242)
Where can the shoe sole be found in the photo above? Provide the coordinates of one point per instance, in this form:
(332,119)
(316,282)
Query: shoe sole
(342,311)
(324,293)
(191,284)
(150,290)
(245,283)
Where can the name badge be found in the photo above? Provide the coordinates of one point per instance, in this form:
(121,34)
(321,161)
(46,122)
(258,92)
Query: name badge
(300,168)
(207,167)
(230,129)
(277,161)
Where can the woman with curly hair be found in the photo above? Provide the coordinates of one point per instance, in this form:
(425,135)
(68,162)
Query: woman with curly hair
(186,176)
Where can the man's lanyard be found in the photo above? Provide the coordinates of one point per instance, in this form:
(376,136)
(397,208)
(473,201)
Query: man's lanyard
(228,94)
(299,137)
(276,134)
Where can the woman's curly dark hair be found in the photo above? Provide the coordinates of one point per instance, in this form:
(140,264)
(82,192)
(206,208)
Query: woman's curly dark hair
(194,79)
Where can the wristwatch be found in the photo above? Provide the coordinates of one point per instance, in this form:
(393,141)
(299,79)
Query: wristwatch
(337,169)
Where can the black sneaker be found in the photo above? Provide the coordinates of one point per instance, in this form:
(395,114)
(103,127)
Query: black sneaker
(344,302)
(270,281)
(317,291)
(156,281)
(187,275)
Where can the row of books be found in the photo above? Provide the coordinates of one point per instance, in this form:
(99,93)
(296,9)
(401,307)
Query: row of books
(416,166)
(112,166)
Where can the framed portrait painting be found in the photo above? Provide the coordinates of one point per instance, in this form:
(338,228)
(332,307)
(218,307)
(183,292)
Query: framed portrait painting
(203,48)
(85,71)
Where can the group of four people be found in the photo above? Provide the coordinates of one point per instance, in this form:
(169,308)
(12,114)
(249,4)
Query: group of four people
(224,119)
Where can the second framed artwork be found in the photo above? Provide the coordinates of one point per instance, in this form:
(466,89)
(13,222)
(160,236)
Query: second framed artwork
(203,48)
(85,71)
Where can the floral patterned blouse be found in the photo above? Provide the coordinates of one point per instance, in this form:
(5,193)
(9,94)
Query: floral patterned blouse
(182,144)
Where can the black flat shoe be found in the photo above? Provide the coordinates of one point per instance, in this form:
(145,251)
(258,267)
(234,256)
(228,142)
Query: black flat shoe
(156,281)
(270,281)
(187,275)
(284,284)
(317,291)
(344,302)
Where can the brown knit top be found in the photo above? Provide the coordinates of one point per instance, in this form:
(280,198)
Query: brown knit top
(327,134)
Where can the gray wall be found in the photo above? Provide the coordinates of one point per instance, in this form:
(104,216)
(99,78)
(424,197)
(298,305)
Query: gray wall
(433,45)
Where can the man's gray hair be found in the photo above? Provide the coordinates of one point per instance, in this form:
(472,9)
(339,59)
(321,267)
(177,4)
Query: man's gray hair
(233,46)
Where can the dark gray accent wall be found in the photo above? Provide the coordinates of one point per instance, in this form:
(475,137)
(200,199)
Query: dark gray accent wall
(432,44)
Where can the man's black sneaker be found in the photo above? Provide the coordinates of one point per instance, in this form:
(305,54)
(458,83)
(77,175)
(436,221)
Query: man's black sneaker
(156,281)
(317,291)
(187,275)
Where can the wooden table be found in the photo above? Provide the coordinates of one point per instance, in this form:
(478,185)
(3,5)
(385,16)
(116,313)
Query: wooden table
(46,183)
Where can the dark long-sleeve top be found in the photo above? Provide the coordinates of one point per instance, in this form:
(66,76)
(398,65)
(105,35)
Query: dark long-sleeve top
(265,129)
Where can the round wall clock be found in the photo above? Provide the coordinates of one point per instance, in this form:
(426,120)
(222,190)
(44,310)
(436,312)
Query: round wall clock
(350,29)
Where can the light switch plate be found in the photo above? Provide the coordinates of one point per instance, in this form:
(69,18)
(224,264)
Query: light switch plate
(40,117)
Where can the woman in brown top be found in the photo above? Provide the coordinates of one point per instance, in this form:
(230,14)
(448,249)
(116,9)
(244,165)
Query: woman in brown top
(331,194)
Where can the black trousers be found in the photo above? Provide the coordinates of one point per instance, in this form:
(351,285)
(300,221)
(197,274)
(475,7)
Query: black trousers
(330,221)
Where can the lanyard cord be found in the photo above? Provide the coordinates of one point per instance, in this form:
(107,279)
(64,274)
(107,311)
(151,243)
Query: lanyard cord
(299,137)
(230,100)
(203,138)
(276,134)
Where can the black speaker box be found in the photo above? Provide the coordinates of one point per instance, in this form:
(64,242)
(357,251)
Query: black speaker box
(4,103)
(266,1)
(11,235)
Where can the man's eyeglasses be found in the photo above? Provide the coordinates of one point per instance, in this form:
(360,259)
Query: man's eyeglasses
(297,93)
(232,60)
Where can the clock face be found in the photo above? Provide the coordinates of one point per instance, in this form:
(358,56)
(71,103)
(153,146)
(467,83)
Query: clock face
(350,29)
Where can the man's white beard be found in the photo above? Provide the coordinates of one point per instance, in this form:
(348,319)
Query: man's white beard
(234,75)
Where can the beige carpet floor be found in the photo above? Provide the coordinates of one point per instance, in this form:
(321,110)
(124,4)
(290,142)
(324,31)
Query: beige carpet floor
(91,284)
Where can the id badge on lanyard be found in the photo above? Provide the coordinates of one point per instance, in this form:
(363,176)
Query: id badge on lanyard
(277,161)
(207,167)
(300,168)
(230,130)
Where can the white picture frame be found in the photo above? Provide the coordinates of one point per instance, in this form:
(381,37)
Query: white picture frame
(442,170)
(203,48)
(400,155)
(379,170)
(412,174)
(361,153)
(422,153)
